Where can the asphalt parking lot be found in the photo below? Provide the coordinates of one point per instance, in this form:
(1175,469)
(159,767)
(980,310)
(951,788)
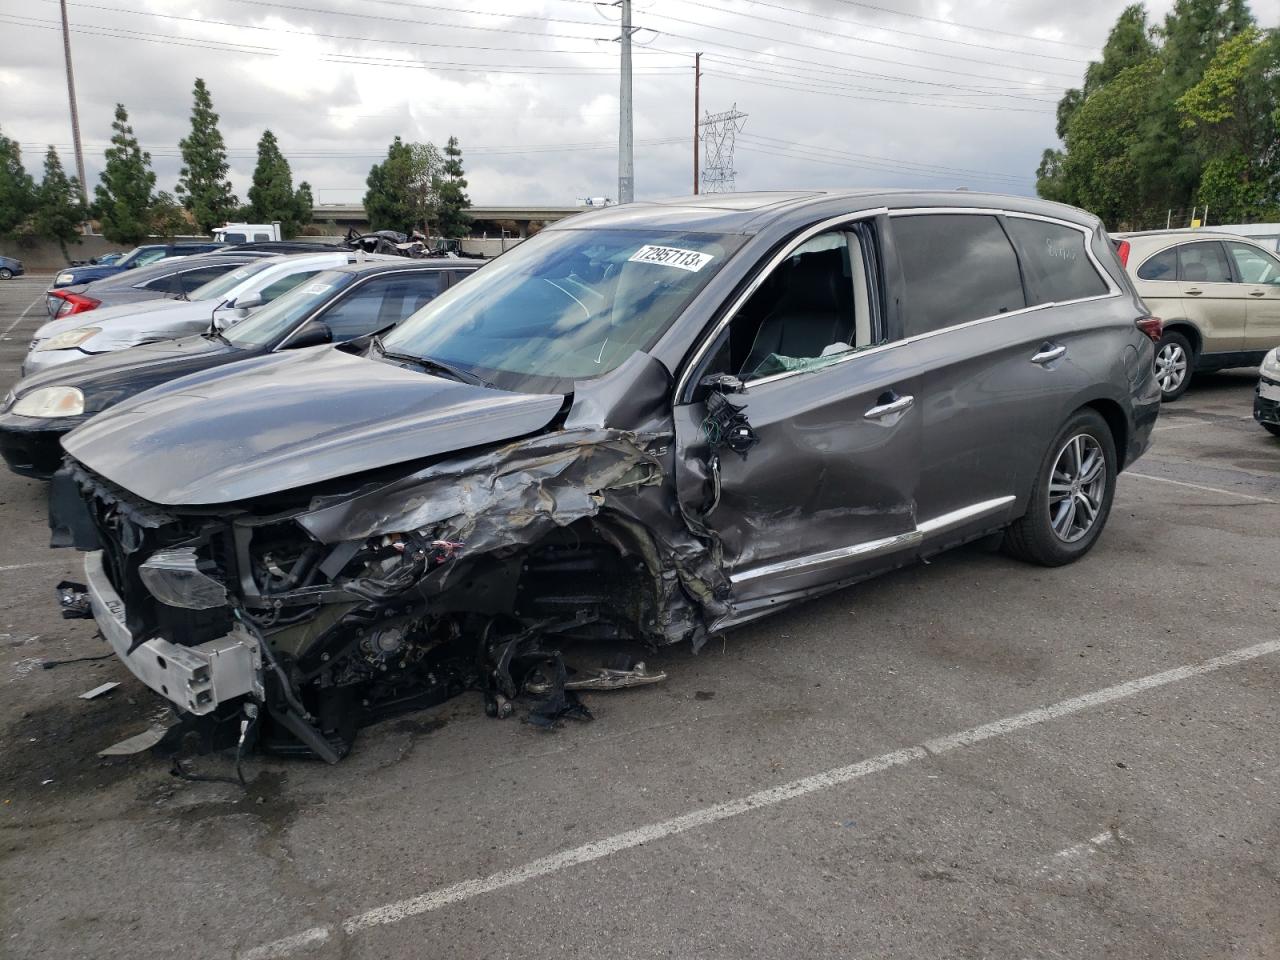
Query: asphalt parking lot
(970,758)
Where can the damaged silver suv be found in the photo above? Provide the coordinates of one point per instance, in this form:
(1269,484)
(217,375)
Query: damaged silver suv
(644,426)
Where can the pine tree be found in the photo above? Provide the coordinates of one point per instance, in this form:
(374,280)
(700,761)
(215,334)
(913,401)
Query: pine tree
(272,196)
(450,187)
(203,185)
(124,197)
(17,190)
(60,207)
(304,207)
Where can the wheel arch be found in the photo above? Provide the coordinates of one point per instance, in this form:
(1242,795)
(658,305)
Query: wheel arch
(1189,330)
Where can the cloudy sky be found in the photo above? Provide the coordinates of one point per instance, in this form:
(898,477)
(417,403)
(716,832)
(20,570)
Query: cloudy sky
(913,93)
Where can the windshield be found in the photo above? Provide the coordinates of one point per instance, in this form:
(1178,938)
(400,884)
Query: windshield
(130,259)
(282,315)
(565,305)
(218,287)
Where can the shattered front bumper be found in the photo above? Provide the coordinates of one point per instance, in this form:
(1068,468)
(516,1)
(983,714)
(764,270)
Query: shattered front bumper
(196,679)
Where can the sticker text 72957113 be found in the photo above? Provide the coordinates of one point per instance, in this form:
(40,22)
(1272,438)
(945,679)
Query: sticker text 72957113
(690,260)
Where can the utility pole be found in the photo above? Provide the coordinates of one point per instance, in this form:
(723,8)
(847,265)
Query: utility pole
(75,113)
(697,91)
(626,158)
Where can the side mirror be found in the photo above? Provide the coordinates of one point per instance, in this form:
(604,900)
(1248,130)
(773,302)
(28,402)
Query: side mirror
(310,334)
(248,302)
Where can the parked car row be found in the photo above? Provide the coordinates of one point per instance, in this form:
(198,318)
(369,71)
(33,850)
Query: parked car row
(643,426)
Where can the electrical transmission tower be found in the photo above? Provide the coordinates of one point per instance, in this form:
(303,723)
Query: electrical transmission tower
(718,133)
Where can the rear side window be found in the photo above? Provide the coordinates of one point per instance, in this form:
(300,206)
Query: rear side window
(1163,266)
(1055,261)
(199,277)
(957,267)
(1203,262)
(285,284)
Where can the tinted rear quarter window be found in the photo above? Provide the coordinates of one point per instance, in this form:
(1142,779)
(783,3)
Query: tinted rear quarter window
(1162,266)
(957,267)
(1055,261)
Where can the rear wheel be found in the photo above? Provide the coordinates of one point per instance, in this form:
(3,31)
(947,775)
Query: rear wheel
(1173,365)
(1272,428)
(6,273)
(1072,496)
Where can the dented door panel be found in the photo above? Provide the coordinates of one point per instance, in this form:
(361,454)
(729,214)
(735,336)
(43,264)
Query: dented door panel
(825,494)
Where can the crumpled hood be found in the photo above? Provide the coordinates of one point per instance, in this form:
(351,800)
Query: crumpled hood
(130,323)
(292,419)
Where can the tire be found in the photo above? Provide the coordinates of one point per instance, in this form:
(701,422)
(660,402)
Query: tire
(1174,358)
(1272,428)
(6,273)
(1050,534)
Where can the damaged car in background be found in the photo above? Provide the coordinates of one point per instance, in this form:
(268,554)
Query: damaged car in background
(642,427)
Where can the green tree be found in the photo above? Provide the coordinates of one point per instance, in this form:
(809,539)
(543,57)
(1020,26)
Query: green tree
(272,197)
(60,208)
(17,190)
(304,205)
(124,197)
(203,185)
(450,188)
(401,192)
(388,201)
(1234,114)
(168,218)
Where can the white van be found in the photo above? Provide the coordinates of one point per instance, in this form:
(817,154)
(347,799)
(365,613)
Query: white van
(248,232)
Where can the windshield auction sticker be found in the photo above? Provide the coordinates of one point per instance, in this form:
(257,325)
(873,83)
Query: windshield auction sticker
(690,260)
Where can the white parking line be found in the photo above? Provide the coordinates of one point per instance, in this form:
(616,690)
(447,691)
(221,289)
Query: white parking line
(23,316)
(1198,486)
(40,563)
(1084,846)
(467,889)
(1201,423)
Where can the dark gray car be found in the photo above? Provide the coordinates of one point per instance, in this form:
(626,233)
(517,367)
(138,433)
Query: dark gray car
(645,425)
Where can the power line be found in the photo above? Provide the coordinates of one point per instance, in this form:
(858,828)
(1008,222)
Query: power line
(963,26)
(810,46)
(907,33)
(875,162)
(827,91)
(338,36)
(756,18)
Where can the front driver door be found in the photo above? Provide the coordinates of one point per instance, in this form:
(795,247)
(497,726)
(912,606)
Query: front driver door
(814,484)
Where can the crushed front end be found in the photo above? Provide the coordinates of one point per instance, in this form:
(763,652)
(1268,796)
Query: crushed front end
(314,613)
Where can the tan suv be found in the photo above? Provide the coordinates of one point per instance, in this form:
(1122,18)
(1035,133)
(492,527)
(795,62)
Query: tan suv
(1218,294)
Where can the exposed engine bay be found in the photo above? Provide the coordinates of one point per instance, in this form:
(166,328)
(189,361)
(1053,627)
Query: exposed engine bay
(298,618)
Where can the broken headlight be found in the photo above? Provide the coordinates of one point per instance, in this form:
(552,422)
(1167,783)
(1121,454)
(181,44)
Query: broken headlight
(174,577)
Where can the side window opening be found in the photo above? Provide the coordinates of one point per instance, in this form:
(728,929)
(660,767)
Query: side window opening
(285,284)
(957,267)
(1055,262)
(817,305)
(1161,266)
(1203,262)
(1254,265)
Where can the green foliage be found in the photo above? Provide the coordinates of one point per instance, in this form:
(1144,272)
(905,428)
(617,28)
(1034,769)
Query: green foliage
(1172,115)
(450,188)
(60,208)
(272,197)
(387,201)
(123,198)
(401,192)
(203,184)
(168,219)
(17,190)
(1233,113)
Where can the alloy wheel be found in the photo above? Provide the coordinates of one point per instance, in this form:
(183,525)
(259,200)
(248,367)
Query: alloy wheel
(1171,366)
(1077,486)
(6,273)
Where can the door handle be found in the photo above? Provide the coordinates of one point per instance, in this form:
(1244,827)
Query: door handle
(1257,293)
(882,410)
(1193,293)
(1048,353)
